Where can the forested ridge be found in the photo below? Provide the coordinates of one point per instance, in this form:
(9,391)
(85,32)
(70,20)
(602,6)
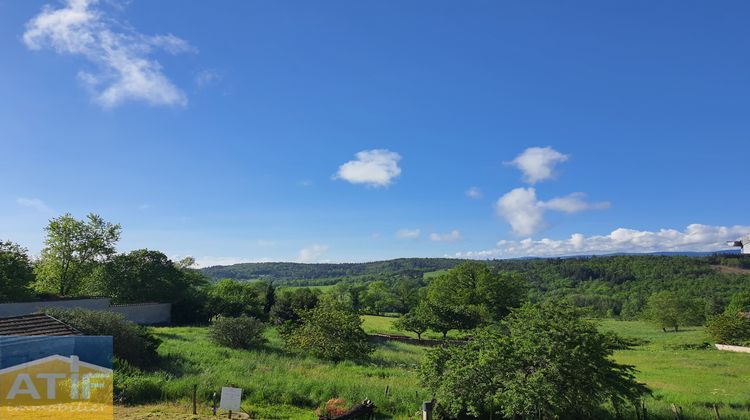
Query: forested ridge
(610,285)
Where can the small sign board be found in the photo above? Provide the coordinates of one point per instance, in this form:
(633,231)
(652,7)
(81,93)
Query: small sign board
(230,398)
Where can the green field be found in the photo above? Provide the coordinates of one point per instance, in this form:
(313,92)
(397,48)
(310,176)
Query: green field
(289,385)
(282,385)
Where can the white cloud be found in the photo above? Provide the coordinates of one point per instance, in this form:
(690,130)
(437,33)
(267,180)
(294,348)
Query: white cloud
(376,168)
(474,193)
(525,213)
(695,237)
(34,203)
(313,253)
(452,236)
(538,163)
(121,68)
(408,233)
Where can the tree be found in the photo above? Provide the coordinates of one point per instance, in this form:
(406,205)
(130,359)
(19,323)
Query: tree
(406,294)
(729,328)
(331,332)
(740,302)
(417,321)
(16,272)
(378,297)
(470,294)
(292,302)
(231,298)
(138,276)
(544,361)
(269,299)
(72,249)
(672,310)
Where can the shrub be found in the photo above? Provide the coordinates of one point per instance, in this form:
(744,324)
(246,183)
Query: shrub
(729,329)
(231,298)
(243,332)
(331,332)
(131,342)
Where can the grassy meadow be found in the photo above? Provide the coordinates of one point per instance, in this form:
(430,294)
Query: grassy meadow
(277,383)
(680,368)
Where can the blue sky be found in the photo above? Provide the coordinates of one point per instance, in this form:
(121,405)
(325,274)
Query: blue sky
(355,131)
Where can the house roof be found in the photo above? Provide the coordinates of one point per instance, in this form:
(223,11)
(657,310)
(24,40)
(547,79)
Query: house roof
(35,325)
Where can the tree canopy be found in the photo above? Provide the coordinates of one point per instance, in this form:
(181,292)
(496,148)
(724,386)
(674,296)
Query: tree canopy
(542,361)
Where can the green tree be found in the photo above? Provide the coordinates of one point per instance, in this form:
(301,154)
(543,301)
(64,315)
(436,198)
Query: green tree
(544,361)
(378,297)
(417,321)
(331,332)
(740,302)
(291,302)
(470,294)
(671,310)
(729,328)
(231,298)
(16,272)
(406,294)
(138,276)
(72,250)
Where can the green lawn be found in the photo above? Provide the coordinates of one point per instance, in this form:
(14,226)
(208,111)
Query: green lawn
(275,381)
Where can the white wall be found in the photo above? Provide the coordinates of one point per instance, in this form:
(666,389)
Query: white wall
(145,313)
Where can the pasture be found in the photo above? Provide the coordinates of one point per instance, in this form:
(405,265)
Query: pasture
(680,368)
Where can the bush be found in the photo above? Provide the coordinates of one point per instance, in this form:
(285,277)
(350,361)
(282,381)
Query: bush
(131,342)
(330,332)
(231,298)
(243,332)
(729,329)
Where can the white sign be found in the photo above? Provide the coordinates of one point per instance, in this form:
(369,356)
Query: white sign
(230,398)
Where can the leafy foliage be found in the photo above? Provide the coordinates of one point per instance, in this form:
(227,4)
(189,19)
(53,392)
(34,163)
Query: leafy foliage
(16,272)
(131,342)
(292,302)
(729,328)
(235,298)
(240,333)
(672,310)
(330,331)
(72,250)
(543,361)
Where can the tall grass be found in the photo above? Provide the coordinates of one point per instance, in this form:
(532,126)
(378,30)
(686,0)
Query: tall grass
(270,376)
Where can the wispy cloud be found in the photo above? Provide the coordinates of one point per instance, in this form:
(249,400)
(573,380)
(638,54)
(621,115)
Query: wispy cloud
(377,168)
(538,163)
(474,192)
(122,69)
(34,203)
(695,237)
(408,233)
(207,77)
(451,236)
(312,253)
(525,212)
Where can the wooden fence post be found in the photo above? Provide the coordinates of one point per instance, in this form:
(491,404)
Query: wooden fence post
(716,411)
(427,407)
(195,392)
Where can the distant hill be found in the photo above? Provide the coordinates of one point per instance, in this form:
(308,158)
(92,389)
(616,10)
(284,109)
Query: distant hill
(285,271)
(320,274)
